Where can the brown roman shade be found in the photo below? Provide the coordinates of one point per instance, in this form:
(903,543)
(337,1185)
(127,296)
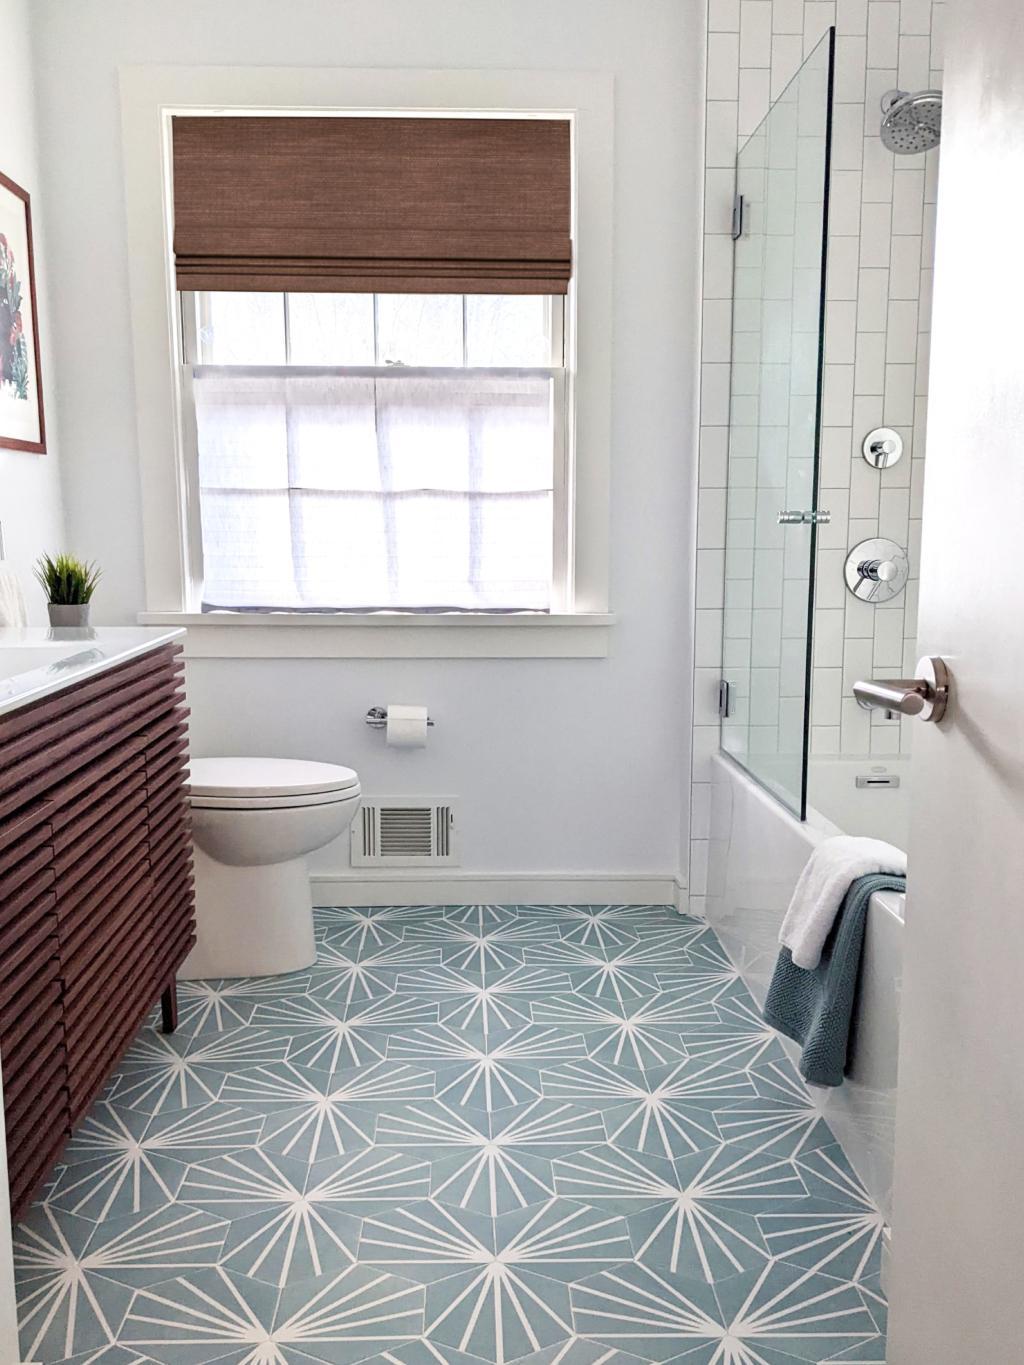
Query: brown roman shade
(372,205)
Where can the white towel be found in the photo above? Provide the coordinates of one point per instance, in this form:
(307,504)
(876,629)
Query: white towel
(12,603)
(822,887)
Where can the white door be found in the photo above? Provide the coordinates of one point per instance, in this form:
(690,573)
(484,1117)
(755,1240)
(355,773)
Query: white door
(957,1282)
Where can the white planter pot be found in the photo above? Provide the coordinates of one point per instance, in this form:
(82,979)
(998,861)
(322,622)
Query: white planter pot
(63,615)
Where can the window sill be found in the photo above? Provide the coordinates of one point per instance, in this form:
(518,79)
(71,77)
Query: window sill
(387,635)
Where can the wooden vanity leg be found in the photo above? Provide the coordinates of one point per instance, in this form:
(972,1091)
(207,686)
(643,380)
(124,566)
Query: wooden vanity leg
(169,1008)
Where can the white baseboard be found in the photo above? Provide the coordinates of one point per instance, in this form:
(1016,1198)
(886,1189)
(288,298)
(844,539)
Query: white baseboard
(426,887)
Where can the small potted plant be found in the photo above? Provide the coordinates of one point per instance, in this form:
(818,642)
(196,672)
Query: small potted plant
(69,584)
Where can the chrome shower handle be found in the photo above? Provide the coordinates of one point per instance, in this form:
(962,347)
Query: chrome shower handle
(926,695)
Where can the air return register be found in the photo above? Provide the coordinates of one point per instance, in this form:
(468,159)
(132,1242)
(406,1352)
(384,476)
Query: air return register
(392,831)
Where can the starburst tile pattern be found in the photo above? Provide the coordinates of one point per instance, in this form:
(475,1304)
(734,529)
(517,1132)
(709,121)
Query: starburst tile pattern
(468,1135)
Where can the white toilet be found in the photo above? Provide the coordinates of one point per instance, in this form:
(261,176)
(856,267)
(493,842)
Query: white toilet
(253,822)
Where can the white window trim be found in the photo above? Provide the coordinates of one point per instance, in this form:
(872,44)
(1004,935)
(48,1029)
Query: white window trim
(149,97)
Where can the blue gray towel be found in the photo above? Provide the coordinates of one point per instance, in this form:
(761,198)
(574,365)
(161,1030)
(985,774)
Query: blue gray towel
(815,1008)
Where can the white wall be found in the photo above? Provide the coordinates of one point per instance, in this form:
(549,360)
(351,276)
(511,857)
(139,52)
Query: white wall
(30,503)
(561,765)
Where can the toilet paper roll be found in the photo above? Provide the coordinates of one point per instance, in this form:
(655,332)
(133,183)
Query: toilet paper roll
(407,726)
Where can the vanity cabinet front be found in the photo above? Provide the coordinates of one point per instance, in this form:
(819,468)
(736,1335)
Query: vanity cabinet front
(96,906)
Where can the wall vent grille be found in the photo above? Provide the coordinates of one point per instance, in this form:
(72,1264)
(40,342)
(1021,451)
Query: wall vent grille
(399,832)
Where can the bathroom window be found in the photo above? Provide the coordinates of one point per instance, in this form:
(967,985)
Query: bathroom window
(377,451)
(372,329)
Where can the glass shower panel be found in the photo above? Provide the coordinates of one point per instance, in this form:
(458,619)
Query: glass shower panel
(774,426)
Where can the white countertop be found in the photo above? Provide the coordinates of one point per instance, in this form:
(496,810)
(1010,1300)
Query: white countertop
(37,661)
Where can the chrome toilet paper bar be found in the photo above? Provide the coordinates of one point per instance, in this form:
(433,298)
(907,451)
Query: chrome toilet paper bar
(377,718)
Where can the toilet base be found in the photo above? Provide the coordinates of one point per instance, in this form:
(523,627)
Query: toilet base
(250,921)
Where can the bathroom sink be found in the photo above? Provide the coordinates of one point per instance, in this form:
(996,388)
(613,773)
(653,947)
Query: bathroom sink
(38,660)
(55,654)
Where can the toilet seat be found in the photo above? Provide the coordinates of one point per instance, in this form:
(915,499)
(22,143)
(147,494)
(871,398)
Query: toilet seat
(268,783)
(202,802)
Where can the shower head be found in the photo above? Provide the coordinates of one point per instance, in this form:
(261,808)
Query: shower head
(911,123)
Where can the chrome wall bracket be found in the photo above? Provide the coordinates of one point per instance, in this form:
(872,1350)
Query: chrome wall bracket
(377,718)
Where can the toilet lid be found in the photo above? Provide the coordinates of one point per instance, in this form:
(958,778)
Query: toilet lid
(260,777)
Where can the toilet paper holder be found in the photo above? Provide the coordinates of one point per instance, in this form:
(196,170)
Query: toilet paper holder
(377,718)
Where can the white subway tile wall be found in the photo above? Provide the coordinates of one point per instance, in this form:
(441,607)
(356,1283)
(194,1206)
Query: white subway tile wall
(880,250)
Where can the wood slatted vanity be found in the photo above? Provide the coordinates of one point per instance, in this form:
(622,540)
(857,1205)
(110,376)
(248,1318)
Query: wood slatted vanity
(96,906)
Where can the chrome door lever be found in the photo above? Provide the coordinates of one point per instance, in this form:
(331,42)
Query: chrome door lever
(926,696)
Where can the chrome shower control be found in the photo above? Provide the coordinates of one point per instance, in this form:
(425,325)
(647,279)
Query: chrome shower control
(882,447)
(877,570)
(805,518)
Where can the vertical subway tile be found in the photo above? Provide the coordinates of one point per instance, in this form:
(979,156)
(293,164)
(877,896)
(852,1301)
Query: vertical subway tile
(841,332)
(878,168)
(835,457)
(863,490)
(714,394)
(755,97)
(714,457)
(755,33)
(877,80)
(818,16)
(723,65)
(710,578)
(847,138)
(717,266)
(856,728)
(837,404)
(719,191)
(720,133)
(788,16)
(827,696)
(894,513)
(787,54)
(913,70)
(873,300)
(916,16)
(711,519)
(828,639)
(716,335)
(724,16)
(899,394)
(843,263)
(905,268)
(825,739)
(908,203)
(851,65)
(852,16)
(875,236)
(883,33)
(901,332)
(708,638)
(869,377)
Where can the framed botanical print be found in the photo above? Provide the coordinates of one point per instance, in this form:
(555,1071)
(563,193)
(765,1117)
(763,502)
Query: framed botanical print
(21,388)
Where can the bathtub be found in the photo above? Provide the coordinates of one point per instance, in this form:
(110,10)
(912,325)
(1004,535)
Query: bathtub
(756,853)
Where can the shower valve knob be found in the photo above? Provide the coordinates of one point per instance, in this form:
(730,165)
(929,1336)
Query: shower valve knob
(878,570)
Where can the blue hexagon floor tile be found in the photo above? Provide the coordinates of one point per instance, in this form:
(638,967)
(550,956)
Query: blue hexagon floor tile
(469,1135)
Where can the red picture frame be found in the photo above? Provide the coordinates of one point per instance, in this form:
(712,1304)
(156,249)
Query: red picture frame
(21,378)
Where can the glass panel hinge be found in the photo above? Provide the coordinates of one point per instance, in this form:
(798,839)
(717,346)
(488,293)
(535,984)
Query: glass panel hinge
(737,217)
(724,695)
